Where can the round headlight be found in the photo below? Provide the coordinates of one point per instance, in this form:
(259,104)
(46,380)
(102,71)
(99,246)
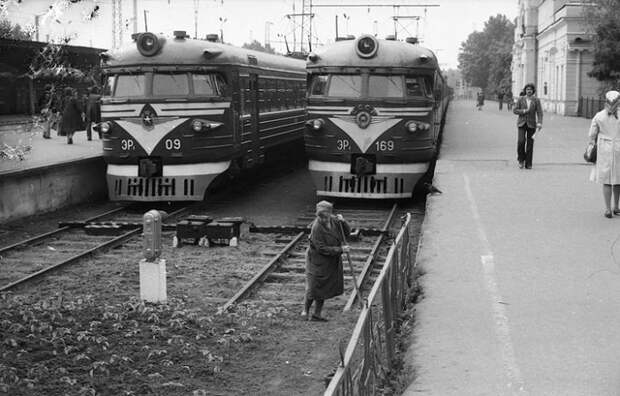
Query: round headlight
(105,127)
(317,124)
(148,45)
(197,125)
(366,46)
(412,127)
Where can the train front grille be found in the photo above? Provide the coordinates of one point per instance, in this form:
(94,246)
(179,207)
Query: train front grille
(154,187)
(364,184)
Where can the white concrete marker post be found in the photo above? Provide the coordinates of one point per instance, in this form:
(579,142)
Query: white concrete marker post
(152,268)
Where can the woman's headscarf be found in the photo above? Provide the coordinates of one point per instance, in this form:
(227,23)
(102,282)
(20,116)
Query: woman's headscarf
(324,206)
(612,100)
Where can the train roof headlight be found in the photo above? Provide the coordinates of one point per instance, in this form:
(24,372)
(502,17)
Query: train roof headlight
(105,127)
(366,46)
(148,44)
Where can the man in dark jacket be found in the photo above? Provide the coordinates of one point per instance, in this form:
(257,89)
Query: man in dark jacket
(324,273)
(72,114)
(530,113)
(93,111)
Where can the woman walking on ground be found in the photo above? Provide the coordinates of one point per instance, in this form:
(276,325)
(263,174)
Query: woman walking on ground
(605,131)
(530,119)
(72,114)
(324,273)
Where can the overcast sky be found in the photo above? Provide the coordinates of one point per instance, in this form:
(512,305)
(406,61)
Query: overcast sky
(441,27)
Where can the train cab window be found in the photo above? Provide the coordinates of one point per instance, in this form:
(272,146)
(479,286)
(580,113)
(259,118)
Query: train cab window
(318,84)
(345,86)
(129,85)
(385,86)
(418,86)
(170,84)
(210,84)
(108,87)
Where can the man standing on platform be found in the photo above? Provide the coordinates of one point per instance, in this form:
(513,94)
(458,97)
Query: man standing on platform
(530,113)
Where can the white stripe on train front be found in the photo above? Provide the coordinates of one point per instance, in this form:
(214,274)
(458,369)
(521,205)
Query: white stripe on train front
(165,109)
(209,168)
(342,167)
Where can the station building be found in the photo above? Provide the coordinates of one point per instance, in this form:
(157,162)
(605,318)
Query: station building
(554,50)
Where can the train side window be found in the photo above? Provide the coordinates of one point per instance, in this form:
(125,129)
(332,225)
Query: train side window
(130,85)
(345,85)
(170,84)
(318,85)
(385,86)
(208,84)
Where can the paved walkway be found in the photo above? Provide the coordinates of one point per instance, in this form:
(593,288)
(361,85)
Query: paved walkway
(521,269)
(45,152)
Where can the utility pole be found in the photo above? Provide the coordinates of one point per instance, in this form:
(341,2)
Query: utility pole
(196,19)
(135,16)
(117,24)
(306,22)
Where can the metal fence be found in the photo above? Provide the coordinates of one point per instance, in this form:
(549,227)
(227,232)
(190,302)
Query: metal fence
(369,356)
(589,106)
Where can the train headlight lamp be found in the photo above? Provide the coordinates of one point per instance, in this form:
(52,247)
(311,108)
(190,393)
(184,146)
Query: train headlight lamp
(414,126)
(148,44)
(366,46)
(316,124)
(105,127)
(197,125)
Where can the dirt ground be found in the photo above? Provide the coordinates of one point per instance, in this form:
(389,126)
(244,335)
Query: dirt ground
(84,331)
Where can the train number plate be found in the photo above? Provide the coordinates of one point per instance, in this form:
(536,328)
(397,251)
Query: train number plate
(363,164)
(150,167)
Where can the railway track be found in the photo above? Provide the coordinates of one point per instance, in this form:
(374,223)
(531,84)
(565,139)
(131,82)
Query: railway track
(282,280)
(69,244)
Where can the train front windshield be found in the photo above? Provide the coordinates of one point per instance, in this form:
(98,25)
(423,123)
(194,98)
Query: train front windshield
(165,84)
(378,86)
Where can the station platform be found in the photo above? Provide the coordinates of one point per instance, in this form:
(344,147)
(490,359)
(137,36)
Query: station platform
(43,152)
(520,269)
(49,174)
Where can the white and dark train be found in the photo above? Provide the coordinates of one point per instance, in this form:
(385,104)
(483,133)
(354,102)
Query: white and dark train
(177,113)
(375,111)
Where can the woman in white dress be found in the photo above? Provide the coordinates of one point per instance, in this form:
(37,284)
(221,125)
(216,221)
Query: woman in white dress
(605,130)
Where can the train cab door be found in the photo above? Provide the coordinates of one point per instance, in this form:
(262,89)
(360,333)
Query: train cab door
(256,155)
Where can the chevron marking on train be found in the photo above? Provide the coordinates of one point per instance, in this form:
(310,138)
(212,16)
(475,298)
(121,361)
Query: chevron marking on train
(189,109)
(364,138)
(121,110)
(403,111)
(330,110)
(149,137)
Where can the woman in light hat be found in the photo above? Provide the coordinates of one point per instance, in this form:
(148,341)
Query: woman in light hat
(324,273)
(605,131)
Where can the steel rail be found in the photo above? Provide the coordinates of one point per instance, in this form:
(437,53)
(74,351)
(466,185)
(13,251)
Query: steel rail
(261,274)
(370,260)
(106,245)
(54,232)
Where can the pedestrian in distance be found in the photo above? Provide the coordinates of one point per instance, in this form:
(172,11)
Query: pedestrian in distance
(479,100)
(509,100)
(530,119)
(324,272)
(93,111)
(605,131)
(500,98)
(72,114)
(48,110)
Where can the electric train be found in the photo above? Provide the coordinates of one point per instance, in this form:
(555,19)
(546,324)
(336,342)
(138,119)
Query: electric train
(178,112)
(375,111)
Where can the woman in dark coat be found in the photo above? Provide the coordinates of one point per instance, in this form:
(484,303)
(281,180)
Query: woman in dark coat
(71,115)
(324,273)
(93,111)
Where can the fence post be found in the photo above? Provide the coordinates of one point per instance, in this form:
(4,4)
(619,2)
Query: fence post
(387,318)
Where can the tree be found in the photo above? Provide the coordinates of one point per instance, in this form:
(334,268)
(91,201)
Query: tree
(14,32)
(485,57)
(603,19)
(257,46)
